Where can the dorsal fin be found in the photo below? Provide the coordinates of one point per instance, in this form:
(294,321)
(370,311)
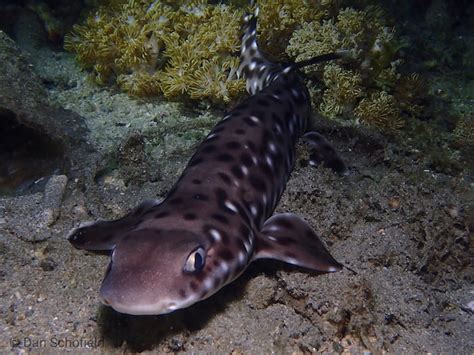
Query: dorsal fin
(254,66)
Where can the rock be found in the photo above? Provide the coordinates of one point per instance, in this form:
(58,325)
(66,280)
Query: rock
(37,139)
(53,195)
(39,211)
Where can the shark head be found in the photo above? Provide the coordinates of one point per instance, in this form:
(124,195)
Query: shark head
(155,271)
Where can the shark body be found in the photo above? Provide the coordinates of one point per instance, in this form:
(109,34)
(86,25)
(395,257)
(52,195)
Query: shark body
(217,218)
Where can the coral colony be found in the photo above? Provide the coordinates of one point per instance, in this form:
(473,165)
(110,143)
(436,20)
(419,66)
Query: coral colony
(188,50)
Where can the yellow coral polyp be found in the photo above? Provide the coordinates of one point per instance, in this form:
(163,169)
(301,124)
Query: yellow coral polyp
(344,88)
(379,110)
(153,47)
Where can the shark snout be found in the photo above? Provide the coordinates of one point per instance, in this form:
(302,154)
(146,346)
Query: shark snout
(135,306)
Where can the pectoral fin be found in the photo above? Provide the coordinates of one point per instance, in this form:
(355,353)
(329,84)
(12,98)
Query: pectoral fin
(104,235)
(323,152)
(289,238)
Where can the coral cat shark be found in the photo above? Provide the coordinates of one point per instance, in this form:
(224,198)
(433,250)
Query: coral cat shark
(217,218)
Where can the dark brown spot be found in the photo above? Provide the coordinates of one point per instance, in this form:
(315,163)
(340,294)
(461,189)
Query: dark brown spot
(244,232)
(267,169)
(200,197)
(193,285)
(225,157)
(224,237)
(257,183)
(189,216)
(252,146)
(240,131)
(176,201)
(237,171)
(233,145)
(220,217)
(246,159)
(220,194)
(225,178)
(290,254)
(249,42)
(182,293)
(225,254)
(259,113)
(196,181)
(209,148)
(161,215)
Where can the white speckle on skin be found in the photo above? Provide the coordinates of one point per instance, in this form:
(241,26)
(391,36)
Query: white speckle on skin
(212,135)
(272,228)
(291,261)
(224,268)
(286,70)
(215,235)
(273,239)
(255,119)
(252,66)
(269,161)
(264,199)
(208,283)
(254,45)
(244,170)
(253,210)
(241,257)
(172,306)
(295,93)
(248,246)
(278,128)
(254,87)
(272,147)
(254,160)
(332,269)
(231,206)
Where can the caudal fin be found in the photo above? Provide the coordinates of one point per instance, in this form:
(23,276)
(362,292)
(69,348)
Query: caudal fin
(254,66)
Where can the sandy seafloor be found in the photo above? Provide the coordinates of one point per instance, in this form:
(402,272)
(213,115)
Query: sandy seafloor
(398,224)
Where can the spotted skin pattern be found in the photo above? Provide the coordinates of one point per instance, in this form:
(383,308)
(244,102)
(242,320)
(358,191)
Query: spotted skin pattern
(217,218)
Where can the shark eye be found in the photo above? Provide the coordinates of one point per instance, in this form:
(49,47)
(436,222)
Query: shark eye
(195,261)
